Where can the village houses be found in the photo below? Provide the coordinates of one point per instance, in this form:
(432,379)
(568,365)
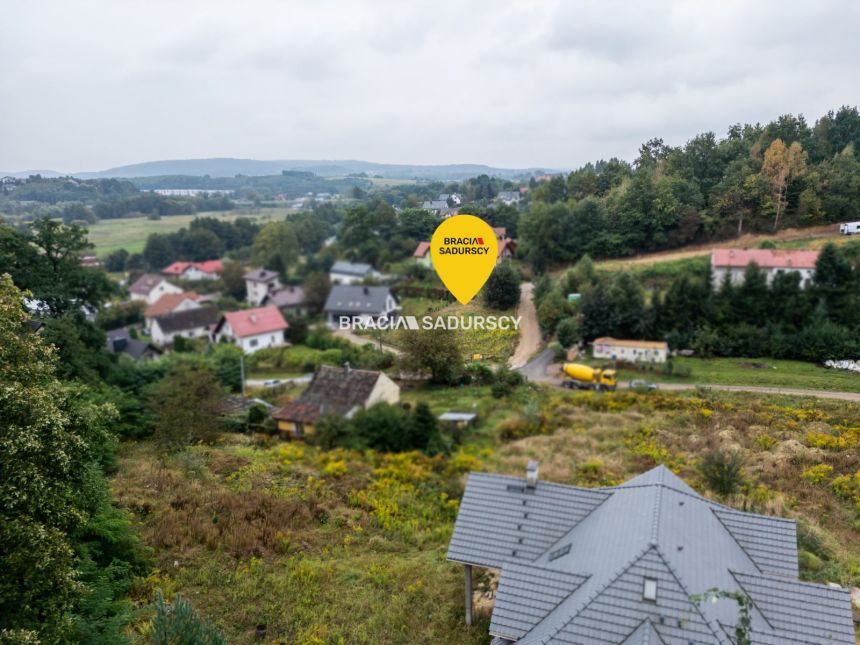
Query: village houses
(260,283)
(343,272)
(363,304)
(631,351)
(189,323)
(168,303)
(733,263)
(194,271)
(150,287)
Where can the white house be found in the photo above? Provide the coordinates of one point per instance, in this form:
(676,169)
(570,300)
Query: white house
(350,272)
(508,197)
(168,303)
(631,351)
(359,303)
(253,329)
(733,262)
(422,254)
(208,270)
(150,287)
(191,323)
(259,284)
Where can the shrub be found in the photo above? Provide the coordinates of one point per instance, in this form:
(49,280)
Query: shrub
(818,474)
(568,332)
(179,624)
(722,472)
(502,290)
(501,389)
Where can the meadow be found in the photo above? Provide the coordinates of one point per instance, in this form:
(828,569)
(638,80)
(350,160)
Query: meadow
(330,547)
(130,233)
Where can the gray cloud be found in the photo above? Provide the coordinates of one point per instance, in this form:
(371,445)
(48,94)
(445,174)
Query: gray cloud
(92,84)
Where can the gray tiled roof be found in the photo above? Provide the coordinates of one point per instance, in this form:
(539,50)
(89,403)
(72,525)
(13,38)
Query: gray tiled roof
(523,523)
(609,540)
(526,594)
(356,299)
(188,319)
(358,269)
(261,275)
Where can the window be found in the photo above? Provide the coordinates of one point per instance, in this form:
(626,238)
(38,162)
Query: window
(252,342)
(649,589)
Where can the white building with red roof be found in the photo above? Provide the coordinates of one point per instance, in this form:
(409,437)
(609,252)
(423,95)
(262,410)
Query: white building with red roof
(733,262)
(252,329)
(208,270)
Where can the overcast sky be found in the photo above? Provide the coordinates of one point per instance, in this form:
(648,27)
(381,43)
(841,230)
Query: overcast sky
(90,85)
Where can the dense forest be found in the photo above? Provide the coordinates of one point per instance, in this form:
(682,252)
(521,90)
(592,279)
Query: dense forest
(757,178)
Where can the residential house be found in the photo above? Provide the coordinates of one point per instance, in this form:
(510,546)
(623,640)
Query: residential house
(253,329)
(194,271)
(334,390)
(119,341)
(150,287)
(259,284)
(289,300)
(506,246)
(625,565)
(343,272)
(632,351)
(191,323)
(733,263)
(359,303)
(90,261)
(422,254)
(440,208)
(169,303)
(508,197)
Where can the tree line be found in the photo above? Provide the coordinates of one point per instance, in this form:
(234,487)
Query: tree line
(756,178)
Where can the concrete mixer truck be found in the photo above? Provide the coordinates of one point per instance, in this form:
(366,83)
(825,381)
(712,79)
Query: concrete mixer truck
(583,377)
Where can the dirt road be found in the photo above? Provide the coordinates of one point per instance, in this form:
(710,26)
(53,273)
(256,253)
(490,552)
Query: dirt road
(355,339)
(818,234)
(530,338)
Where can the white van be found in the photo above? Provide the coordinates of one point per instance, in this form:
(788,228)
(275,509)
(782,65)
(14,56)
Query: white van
(849,228)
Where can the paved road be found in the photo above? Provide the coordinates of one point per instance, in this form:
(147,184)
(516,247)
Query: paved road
(536,371)
(530,339)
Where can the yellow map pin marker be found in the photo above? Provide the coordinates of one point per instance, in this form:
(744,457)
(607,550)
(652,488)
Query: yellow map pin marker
(464,251)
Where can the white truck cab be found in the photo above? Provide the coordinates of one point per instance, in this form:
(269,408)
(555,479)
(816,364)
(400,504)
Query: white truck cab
(849,228)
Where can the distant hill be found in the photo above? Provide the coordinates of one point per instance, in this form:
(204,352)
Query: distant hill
(229,167)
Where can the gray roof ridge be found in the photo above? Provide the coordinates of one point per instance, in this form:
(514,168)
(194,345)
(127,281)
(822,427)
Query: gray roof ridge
(729,509)
(738,542)
(594,594)
(709,623)
(820,586)
(607,491)
(655,516)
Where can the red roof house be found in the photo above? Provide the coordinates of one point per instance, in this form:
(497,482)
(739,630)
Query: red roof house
(733,263)
(207,270)
(253,329)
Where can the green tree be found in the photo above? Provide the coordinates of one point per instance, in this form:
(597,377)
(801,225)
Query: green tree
(233,277)
(276,247)
(502,290)
(50,483)
(435,352)
(316,286)
(187,405)
(568,332)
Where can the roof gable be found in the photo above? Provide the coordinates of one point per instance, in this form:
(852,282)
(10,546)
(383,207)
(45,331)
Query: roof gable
(251,322)
(145,284)
(168,302)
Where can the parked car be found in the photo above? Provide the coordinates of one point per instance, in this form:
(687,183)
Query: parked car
(273,381)
(641,385)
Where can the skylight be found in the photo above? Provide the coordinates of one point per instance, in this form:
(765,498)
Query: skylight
(649,589)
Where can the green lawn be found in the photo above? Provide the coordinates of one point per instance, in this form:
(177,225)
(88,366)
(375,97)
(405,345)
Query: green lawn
(755,371)
(131,233)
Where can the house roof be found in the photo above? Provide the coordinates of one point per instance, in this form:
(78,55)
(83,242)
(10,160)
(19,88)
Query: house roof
(251,322)
(261,275)
(553,588)
(189,319)
(208,266)
(176,268)
(507,243)
(358,269)
(421,250)
(286,297)
(765,258)
(357,299)
(501,232)
(145,284)
(333,390)
(636,344)
(168,302)
(119,341)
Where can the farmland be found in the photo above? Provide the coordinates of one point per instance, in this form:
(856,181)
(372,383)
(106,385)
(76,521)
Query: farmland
(255,531)
(130,233)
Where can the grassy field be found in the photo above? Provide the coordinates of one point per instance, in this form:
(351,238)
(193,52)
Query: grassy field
(330,547)
(130,233)
(765,372)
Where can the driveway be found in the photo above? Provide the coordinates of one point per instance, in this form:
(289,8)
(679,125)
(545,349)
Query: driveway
(355,339)
(530,338)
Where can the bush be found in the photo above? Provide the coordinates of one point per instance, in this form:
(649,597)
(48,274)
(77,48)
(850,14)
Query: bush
(179,624)
(568,332)
(722,472)
(502,290)
(501,389)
